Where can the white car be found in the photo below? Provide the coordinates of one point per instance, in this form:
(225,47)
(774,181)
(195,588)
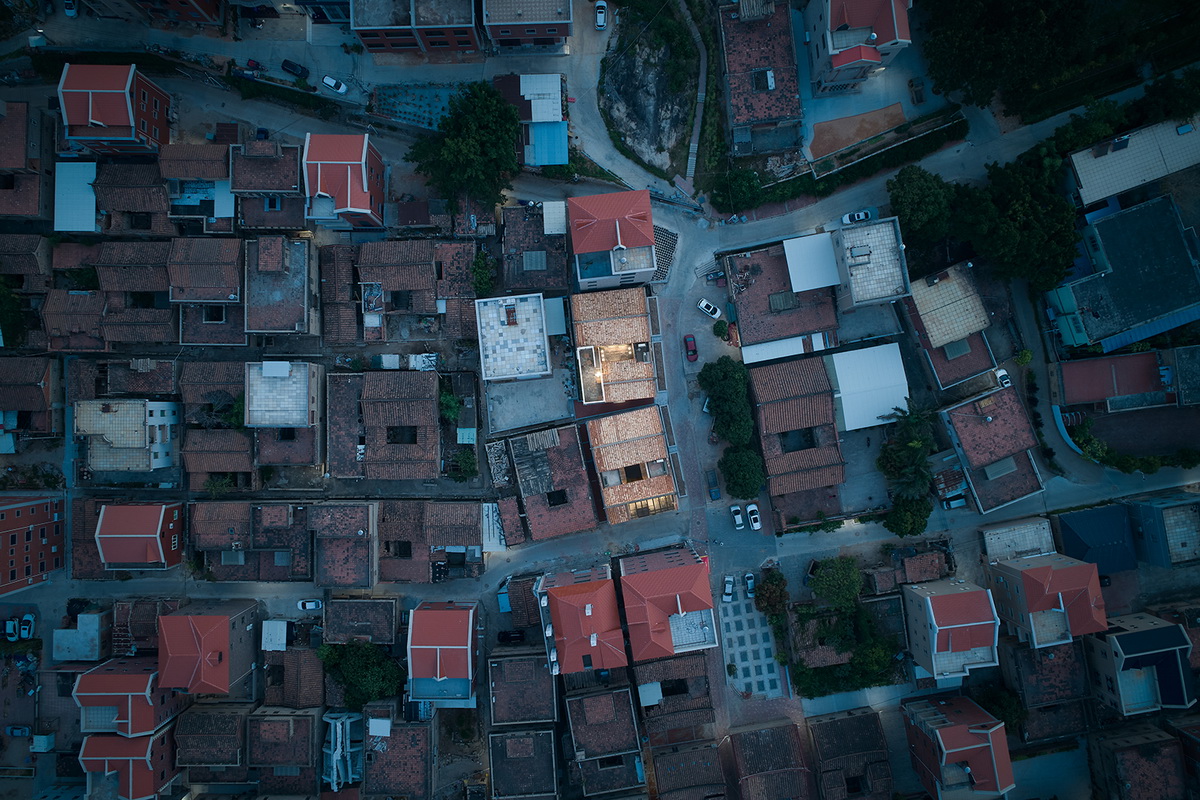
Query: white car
(70,9)
(752,515)
(1002,378)
(333,84)
(727,595)
(750,585)
(601,15)
(739,521)
(856,217)
(310,605)
(709,308)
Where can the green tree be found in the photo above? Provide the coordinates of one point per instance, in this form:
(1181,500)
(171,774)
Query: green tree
(908,517)
(740,190)
(483,274)
(720,329)
(743,471)
(466,466)
(449,406)
(923,203)
(364,671)
(727,384)
(218,485)
(837,581)
(771,595)
(473,150)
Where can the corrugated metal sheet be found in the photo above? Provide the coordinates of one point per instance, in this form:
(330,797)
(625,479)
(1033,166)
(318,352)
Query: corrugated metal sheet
(1154,328)
(548,144)
(554,217)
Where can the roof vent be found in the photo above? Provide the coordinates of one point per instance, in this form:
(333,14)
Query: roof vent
(592,640)
(587,610)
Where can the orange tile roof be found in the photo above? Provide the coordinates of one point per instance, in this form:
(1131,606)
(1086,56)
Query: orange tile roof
(888,19)
(194,653)
(579,611)
(965,621)
(129,690)
(600,222)
(652,597)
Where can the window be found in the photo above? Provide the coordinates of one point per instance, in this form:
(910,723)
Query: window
(556,498)
(175,541)
(8,182)
(610,762)
(12,574)
(272,203)
(175,514)
(18,515)
(150,413)
(154,132)
(141,221)
(145,96)
(2,515)
(587,662)
(551,30)
(505,32)
(156,104)
(287,434)
(530,31)
(142,125)
(214,315)
(402,434)
(28,570)
(13,540)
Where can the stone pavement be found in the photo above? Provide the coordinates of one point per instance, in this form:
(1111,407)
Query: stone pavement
(749,644)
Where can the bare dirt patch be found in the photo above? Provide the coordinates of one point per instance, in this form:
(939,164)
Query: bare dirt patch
(838,134)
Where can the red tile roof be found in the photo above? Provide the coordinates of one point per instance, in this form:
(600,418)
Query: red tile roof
(964,733)
(862,53)
(1075,587)
(441,640)
(94,95)
(992,428)
(143,764)
(965,621)
(580,611)
(336,165)
(600,222)
(194,653)
(887,19)
(128,684)
(1094,380)
(128,534)
(652,597)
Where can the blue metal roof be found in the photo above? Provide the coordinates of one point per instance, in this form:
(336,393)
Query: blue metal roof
(1160,325)
(549,140)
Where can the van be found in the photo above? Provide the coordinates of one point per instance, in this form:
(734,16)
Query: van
(955,502)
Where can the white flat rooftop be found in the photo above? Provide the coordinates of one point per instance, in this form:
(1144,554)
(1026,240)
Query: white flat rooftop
(868,384)
(875,261)
(512,337)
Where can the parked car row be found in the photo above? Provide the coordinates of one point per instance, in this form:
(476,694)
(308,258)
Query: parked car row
(16,629)
(739,522)
(730,582)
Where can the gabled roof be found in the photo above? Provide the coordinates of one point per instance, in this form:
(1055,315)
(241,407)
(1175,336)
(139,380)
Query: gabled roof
(129,534)
(194,161)
(97,95)
(601,222)
(205,269)
(1101,535)
(24,387)
(194,653)
(580,612)
(440,641)
(887,19)
(965,620)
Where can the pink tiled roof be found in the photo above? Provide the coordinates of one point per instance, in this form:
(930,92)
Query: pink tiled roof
(854,55)
(1094,380)
(600,222)
(194,653)
(992,428)
(965,733)
(336,165)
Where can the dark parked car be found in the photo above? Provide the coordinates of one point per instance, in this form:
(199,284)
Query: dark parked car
(511,637)
(299,70)
(714,488)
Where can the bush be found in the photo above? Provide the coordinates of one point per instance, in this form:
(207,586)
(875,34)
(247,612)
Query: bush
(720,329)
(483,272)
(727,384)
(1024,357)
(838,582)
(909,516)
(449,406)
(465,466)
(771,595)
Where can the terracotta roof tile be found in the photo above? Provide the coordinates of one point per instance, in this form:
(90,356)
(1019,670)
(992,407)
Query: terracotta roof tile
(599,222)
(194,161)
(135,188)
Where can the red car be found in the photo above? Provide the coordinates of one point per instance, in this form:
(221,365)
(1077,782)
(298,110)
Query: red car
(689,347)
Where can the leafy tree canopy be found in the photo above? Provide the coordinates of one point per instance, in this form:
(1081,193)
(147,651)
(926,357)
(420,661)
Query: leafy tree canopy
(837,581)
(771,594)
(909,517)
(727,385)
(922,201)
(473,150)
(364,671)
(743,471)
